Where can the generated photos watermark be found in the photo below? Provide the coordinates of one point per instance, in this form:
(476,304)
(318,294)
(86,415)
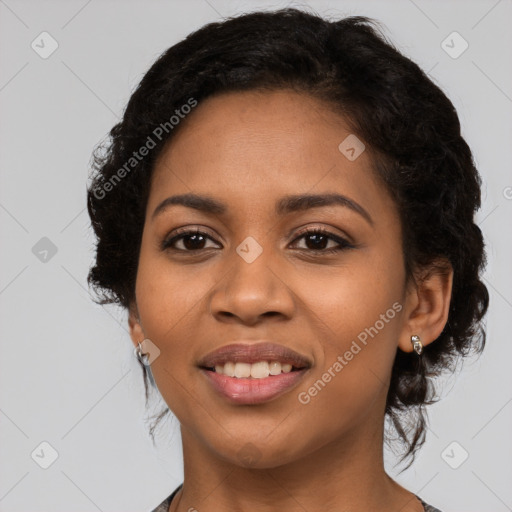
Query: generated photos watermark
(305,397)
(158,133)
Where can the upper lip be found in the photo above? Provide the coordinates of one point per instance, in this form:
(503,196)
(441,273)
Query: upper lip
(254,353)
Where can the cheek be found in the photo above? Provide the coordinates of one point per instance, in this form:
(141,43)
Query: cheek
(168,302)
(169,294)
(358,313)
(363,294)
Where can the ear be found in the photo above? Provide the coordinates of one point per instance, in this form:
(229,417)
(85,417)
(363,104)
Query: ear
(427,304)
(136,331)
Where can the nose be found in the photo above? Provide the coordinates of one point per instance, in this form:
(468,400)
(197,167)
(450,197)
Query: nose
(251,292)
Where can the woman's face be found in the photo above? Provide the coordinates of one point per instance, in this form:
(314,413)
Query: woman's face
(338,300)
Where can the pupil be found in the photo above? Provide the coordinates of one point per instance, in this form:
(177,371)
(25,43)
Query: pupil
(188,245)
(317,244)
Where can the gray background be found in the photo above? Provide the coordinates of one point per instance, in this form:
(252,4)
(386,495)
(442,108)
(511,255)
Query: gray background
(67,372)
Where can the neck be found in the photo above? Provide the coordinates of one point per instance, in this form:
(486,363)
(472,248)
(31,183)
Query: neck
(344,475)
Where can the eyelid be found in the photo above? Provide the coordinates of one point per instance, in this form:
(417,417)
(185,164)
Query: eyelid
(189,229)
(326,231)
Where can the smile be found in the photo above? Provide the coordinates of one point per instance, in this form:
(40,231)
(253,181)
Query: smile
(253,390)
(259,370)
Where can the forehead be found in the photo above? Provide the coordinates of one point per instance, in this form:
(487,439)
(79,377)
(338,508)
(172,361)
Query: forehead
(280,125)
(246,147)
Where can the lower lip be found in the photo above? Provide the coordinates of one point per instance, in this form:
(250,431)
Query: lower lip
(253,391)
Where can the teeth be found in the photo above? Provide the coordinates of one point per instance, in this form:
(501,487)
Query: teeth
(229,369)
(242,370)
(259,370)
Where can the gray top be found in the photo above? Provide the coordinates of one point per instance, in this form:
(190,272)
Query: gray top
(164,506)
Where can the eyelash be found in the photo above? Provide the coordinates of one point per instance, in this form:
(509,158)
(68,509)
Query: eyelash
(343,244)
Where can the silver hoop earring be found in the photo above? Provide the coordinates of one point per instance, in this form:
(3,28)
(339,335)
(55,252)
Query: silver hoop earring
(143,358)
(416,344)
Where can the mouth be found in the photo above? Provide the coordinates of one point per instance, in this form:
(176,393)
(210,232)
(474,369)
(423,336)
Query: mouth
(256,373)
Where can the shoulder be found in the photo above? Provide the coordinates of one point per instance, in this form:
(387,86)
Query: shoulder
(426,506)
(164,506)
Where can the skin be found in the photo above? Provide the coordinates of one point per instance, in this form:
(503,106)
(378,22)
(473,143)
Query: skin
(247,150)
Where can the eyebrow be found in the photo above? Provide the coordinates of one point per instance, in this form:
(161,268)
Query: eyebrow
(284,206)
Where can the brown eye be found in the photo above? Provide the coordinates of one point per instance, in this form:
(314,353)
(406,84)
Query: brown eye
(192,240)
(317,240)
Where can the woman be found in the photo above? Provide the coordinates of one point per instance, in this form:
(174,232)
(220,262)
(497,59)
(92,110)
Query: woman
(286,212)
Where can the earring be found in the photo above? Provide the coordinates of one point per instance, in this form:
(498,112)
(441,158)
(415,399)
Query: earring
(416,344)
(143,358)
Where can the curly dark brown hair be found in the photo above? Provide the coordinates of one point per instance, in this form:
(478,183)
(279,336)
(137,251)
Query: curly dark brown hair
(409,124)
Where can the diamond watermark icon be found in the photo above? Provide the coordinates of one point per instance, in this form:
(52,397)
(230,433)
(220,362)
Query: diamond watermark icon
(44,45)
(44,455)
(454,45)
(249,454)
(148,351)
(249,249)
(454,455)
(351,147)
(44,250)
